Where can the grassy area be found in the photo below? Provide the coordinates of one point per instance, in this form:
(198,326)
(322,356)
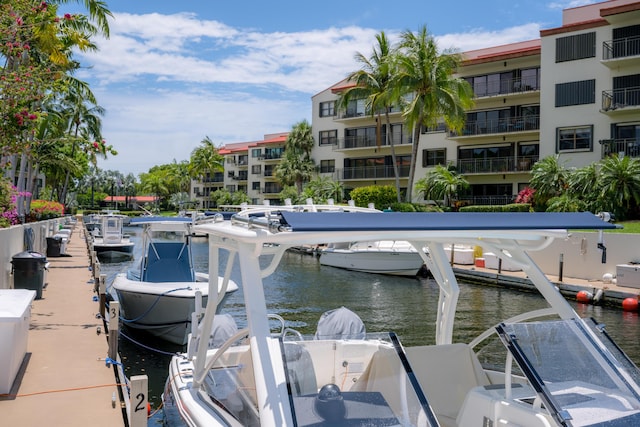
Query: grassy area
(631,227)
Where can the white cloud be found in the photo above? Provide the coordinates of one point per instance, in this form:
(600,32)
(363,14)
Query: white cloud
(561,5)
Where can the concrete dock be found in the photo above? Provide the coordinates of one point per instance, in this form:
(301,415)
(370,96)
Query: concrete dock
(64,380)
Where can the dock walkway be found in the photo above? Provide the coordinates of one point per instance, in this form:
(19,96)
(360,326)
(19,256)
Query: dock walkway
(64,380)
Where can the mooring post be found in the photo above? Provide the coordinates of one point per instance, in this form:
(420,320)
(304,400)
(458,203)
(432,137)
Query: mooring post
(561,267)
(114,320)
(138,401)
(102,289)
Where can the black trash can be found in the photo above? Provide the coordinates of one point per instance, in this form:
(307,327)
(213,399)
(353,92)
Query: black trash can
(54,245)
(28,271)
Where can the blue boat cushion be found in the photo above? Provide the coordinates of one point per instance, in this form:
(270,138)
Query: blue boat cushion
(168,262)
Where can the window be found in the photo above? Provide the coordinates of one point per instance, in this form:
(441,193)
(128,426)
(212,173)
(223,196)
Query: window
(255,185)
(243,160)
(434,157)
(328,109)
(231,188)
(328,137)
(575,47)
(256,152)
(256,169)
(574,139)
(327,166)
(576,93)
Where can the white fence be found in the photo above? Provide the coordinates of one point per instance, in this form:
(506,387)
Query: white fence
(14,240)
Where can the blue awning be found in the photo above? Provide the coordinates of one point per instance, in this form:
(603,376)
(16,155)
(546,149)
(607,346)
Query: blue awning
(437,221)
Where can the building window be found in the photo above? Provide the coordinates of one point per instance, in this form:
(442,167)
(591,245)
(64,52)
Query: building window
(255,185)
(327,166)
(575,47)
(329,137)
(231,188)
(574,139)
(256,152)
(256,169)
(576,93)
(328,109)
(434,157)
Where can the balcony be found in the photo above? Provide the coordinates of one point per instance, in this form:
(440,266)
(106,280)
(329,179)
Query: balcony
(499,126)
(364,142)
(496,165)
(506,87)
(621,147)
(621,52)
(373,172)
(621,100)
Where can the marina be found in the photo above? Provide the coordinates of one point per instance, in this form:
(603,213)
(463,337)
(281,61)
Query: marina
(383,302)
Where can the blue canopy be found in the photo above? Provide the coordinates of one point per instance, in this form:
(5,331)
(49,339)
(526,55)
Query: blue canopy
(438,221)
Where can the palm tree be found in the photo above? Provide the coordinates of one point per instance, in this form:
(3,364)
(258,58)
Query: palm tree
(548,178)
(442,183)
(437,93)
(296,166)
(620,184)
(205,159)
(154,183)
(584,185)
(374,83)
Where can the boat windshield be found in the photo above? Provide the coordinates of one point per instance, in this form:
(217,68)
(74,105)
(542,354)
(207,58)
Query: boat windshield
(353,382)
(580,380)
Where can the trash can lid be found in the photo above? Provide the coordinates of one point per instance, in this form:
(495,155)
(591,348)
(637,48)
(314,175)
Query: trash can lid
(29,255)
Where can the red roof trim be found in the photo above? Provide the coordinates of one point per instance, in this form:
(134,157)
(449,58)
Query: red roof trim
(595,23)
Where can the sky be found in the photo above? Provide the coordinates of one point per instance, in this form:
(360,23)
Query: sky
(174,72)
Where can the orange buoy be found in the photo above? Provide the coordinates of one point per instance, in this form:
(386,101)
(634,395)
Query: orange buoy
(630,304)
(584,297)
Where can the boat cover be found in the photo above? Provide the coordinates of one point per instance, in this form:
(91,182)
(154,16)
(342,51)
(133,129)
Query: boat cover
(442,221)
(340,323)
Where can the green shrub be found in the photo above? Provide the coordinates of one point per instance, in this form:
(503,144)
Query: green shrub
(382,196)
(513,207)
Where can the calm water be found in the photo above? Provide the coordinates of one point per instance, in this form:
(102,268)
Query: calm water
(301,290)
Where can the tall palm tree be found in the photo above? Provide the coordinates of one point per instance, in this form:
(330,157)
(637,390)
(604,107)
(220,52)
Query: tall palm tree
(429,77)
(296,166)
(205,159)
(620,183)
(374,83)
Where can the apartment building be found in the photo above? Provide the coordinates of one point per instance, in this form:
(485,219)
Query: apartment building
(248,168)
(574,92)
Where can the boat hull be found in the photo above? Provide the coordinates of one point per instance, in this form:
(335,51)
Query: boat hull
(381,262)
(162,309)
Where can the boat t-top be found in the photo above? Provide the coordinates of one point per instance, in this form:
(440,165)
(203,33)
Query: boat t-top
(544,368)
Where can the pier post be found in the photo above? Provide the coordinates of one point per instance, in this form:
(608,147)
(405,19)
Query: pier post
(561,267)
(102,289)
(114,320)
(138,401)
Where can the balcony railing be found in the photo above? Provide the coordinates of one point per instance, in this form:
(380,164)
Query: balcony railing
(373,172)
(487,200)
(506,86)
(624,147)
(370,142)
(496,165)
(620,98)
(621,48)
(271,189)
(504,125)
(270,156)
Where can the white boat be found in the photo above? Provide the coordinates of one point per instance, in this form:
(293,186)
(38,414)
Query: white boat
(109,241)
(396,257)
(162,292)
(548,367)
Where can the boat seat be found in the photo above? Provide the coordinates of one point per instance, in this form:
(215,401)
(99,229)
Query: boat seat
(340,323)
(168,262)
(446,374)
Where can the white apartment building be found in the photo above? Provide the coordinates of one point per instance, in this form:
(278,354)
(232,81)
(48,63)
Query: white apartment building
(574,92)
